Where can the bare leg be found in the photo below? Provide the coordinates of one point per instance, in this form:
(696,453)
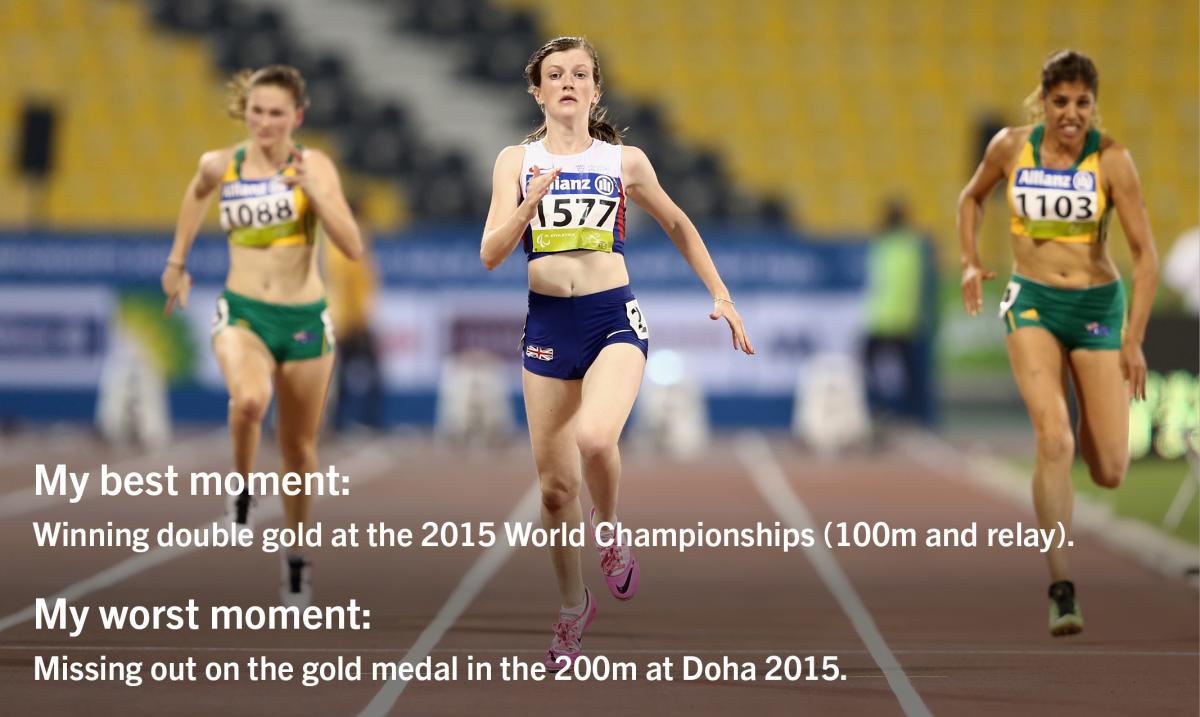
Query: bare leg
(302,387)
(551,405)
(609,390)
(1103,414)
(1039,364)
(247,366)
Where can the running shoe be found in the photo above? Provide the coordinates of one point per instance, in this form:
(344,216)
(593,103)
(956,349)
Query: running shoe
(620,568)
(295,587)
(239,513)
(568,635)
(1066,618)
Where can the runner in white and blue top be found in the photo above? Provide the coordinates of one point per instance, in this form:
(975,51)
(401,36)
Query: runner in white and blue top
(562,195)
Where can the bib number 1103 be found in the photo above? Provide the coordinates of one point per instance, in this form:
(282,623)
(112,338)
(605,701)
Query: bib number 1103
(1063,206)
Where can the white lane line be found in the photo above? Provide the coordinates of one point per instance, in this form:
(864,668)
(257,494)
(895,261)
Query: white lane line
(790,650)
(24,446)
(1153,548)
(486,566)
(759,461)
(26,500)
(362,460)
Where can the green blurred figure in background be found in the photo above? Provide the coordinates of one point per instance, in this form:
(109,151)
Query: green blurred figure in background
(901,319)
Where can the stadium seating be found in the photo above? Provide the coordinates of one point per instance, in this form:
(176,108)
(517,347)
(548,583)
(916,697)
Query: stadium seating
(135,107)
(838,105)
(817,110)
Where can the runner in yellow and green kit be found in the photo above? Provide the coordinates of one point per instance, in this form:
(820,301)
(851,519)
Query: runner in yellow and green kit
(271,331)
(1064,309)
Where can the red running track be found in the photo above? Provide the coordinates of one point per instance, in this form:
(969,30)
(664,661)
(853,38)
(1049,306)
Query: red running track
(960,631)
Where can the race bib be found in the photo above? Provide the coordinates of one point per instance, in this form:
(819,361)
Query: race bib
(327,322)
(637,320)
(579,212)
(1055,202)
(256,204)
(221,318)
(1009,298)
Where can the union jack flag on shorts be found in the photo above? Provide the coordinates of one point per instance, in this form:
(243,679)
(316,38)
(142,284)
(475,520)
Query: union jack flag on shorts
(537,352)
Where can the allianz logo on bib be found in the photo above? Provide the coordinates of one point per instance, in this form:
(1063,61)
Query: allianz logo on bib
(605,185)
(243,188)
(582,183)
(1080,181)
(1083,182)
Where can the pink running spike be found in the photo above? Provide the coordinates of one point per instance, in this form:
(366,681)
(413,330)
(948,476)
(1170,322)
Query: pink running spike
(620,568)
(567,643)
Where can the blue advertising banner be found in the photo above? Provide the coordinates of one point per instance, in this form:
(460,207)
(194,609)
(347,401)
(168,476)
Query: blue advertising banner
(441,257)
(62,297)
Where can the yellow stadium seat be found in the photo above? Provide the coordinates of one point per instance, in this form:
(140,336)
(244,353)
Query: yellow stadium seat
(137,107)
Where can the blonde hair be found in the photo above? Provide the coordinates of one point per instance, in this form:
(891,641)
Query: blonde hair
(285,76)
(598,124)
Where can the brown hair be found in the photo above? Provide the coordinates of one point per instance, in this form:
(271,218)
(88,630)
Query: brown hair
(598,124)
(1063,66)
(285,76)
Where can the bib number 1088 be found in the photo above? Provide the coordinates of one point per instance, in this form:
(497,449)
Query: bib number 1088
(574,211)
(259,214)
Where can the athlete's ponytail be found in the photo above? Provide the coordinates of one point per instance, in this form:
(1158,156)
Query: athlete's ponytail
(284,76)
(599,126)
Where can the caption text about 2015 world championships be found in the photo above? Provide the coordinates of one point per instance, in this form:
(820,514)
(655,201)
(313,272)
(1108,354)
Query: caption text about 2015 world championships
(450,534)
(57,615)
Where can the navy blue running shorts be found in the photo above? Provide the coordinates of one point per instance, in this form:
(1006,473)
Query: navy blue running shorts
(565,334)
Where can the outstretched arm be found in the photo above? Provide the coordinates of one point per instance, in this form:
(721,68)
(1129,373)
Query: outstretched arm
(1126,193)
(642,185)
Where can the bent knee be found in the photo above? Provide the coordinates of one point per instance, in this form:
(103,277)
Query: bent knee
(594,443)
(1109,473)
(249,407)
(297,450)
(1057,444)
(557,493)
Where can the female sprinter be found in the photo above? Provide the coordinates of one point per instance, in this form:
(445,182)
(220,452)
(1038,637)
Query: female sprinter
(271,321)
(563,194)
(1064,307)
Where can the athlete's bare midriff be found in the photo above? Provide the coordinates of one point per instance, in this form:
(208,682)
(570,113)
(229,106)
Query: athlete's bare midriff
(1067,266)
(1055,263)
(276,275)
(577,273)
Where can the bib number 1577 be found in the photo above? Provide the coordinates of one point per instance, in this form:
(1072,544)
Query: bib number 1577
(574,211)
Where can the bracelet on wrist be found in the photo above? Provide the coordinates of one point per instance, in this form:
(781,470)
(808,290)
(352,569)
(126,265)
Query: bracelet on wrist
(719,300)
(176,263)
